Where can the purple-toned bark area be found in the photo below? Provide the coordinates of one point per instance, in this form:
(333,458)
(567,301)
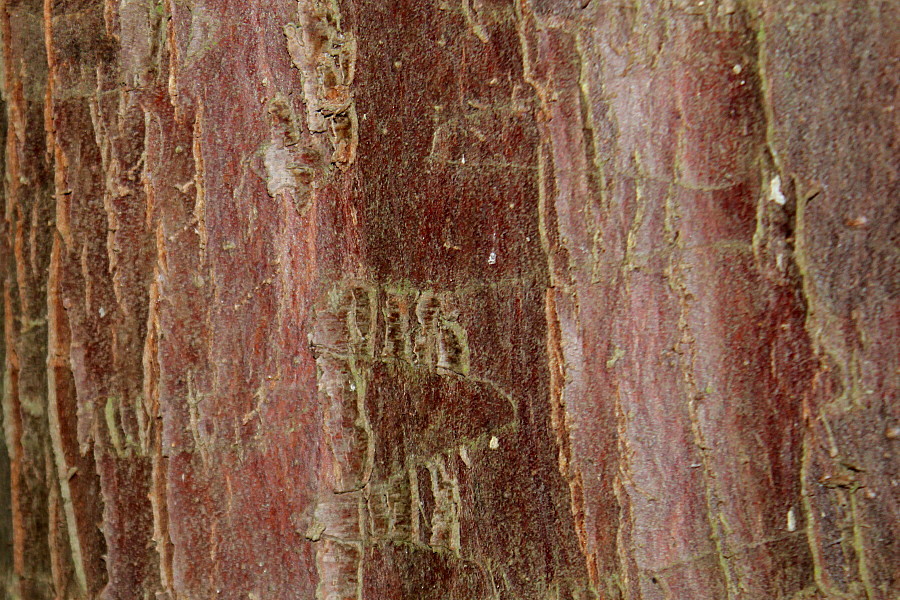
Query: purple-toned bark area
(450,300)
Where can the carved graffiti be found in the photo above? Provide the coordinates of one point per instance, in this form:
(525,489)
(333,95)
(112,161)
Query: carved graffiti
(376,344)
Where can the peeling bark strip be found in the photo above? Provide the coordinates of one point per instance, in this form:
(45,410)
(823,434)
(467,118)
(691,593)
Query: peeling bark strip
(450,300)
(325,55)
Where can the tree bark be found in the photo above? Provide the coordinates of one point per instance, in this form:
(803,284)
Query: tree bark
(450,299)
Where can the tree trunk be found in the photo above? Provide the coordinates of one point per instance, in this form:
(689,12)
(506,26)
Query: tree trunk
(450,299)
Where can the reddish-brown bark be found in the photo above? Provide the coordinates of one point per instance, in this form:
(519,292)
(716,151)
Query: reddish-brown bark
(451,299)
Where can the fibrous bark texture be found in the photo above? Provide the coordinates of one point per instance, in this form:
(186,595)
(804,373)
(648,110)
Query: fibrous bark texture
(450,299)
